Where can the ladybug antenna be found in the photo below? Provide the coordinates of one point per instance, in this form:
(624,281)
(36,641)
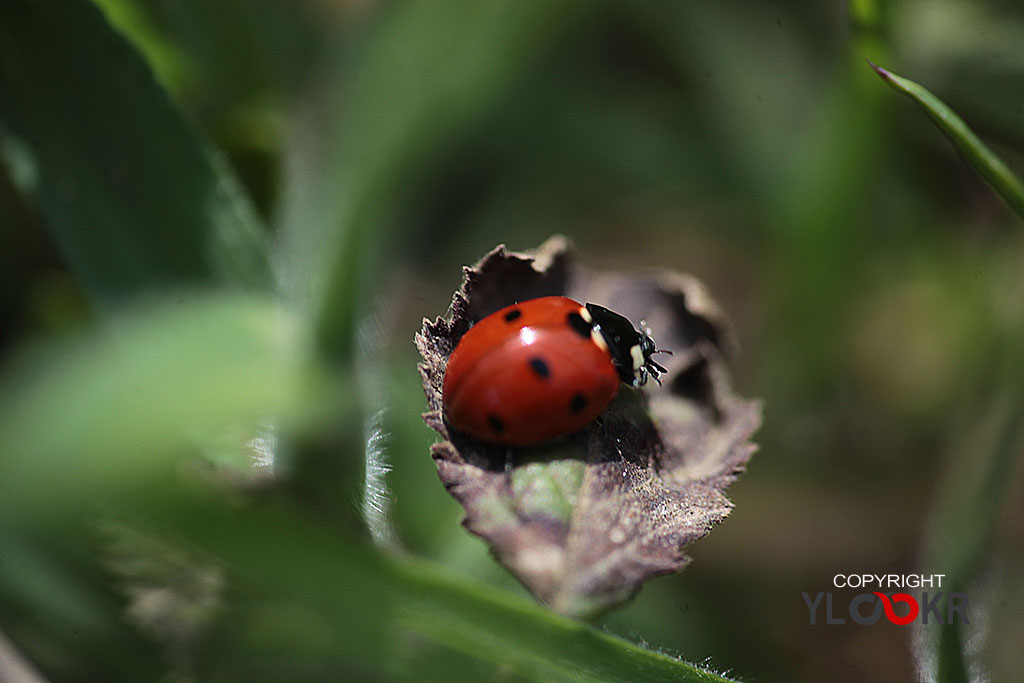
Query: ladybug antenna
(662,351)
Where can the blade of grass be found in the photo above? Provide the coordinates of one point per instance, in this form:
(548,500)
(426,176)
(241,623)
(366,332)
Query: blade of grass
(977,153)
(131,192)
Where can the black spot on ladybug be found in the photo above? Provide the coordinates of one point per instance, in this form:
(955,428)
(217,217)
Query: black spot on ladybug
(538,365)
(512,315)
(578,324)
(578,403)
(496,424)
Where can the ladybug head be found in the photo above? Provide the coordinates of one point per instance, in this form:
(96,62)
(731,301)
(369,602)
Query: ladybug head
(631,350)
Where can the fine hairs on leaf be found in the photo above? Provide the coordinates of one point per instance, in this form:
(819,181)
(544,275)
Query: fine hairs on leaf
(584,521)
(376,505)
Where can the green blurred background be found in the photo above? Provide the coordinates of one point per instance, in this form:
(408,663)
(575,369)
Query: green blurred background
(874,282)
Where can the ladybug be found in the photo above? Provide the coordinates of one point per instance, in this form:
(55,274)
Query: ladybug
(543,368)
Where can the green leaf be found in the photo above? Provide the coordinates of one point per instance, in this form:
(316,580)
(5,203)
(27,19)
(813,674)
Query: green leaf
(134,196)
(102,413)
(350,607)
(984,160)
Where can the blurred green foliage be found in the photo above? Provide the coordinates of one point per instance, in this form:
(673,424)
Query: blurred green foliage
(222,222)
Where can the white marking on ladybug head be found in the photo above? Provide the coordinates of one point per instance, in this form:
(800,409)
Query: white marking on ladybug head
(598,338)
(585,314)
(638,358)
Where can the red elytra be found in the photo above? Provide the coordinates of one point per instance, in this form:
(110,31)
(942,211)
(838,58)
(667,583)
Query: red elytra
(540,369)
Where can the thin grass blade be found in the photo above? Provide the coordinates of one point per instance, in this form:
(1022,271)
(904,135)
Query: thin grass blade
(995,172)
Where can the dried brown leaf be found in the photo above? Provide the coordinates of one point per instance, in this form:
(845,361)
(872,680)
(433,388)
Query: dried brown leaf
(585,521)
